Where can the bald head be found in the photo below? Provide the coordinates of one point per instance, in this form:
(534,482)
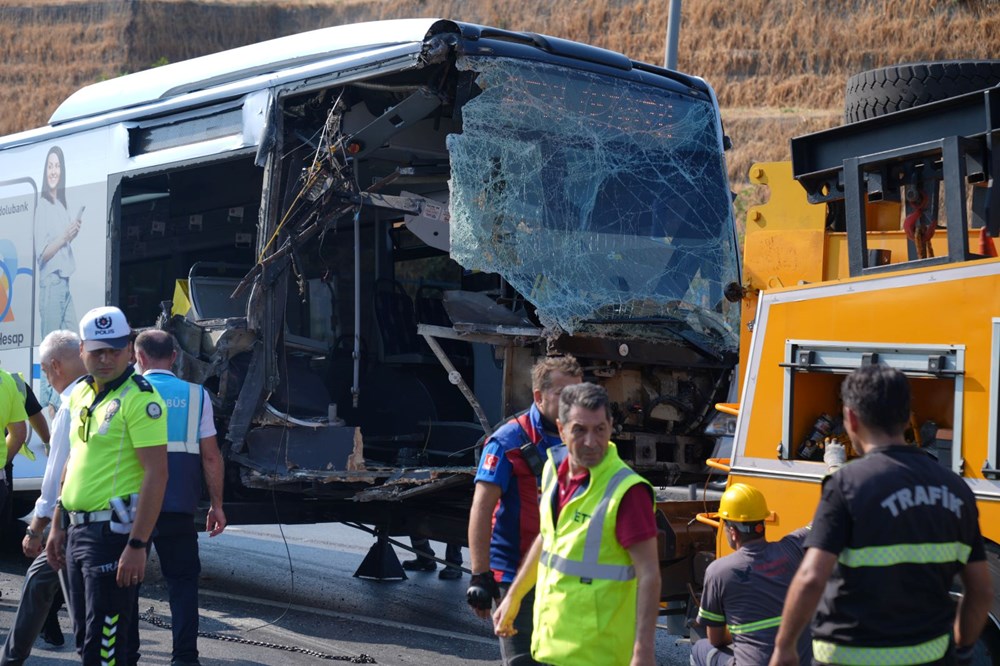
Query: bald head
(155,350)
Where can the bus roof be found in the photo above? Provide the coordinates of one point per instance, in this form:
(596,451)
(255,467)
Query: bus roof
(235,64)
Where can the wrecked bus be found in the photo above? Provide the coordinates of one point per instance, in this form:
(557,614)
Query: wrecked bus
(363,236)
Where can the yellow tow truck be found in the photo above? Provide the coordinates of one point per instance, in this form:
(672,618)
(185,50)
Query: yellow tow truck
(876,245)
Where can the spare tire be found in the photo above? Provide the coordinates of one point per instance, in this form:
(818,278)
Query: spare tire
(889,89)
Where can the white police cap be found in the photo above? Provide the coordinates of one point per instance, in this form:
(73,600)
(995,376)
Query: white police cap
(104,328)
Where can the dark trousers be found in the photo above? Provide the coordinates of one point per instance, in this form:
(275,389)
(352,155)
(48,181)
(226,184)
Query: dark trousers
(103,613)
(40,597)
(516,650)
(176,543)
(703,653)
(5,513)
(422,546)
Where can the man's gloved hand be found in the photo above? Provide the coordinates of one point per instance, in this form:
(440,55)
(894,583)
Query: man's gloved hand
(963,655)
(482,592)
(835,454)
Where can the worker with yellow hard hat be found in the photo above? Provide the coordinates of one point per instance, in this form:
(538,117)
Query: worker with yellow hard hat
(744,591)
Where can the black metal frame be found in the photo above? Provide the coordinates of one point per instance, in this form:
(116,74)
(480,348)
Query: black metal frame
(870,160)
(954,153)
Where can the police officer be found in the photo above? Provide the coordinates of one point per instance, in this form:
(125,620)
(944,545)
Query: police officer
(35,418)
(12,417)
(595,559)
(40,597)
(503,520)
(745,590)
(113,488)
(891,532)
(192,452)
(39,425)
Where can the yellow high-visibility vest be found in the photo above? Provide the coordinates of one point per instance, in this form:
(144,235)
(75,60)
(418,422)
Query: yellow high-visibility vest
(22,388)
(585,597)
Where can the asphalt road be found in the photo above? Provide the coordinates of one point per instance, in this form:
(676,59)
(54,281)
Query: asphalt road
(277,594)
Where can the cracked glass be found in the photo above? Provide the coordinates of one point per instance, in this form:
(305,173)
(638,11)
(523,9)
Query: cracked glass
(603,201)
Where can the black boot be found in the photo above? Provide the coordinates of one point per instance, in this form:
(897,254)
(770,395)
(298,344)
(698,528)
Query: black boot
(420,564)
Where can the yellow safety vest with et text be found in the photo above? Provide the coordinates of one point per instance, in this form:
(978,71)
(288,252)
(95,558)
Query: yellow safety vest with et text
(585,597)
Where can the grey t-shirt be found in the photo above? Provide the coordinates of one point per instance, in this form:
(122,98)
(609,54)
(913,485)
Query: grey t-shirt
(746,592)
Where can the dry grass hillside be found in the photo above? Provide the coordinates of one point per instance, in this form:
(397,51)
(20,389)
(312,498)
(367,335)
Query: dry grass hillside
(778,67)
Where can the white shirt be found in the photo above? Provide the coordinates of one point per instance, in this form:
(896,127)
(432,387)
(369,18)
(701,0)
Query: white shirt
(206,428)
(58,453)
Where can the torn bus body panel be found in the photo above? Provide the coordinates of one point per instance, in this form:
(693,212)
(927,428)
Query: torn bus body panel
(274,447)
(426,232)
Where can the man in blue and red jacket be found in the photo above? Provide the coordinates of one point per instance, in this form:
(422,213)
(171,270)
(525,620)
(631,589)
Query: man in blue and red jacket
(503,521)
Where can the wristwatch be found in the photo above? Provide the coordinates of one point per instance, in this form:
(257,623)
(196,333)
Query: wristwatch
(31,533)
(137,543)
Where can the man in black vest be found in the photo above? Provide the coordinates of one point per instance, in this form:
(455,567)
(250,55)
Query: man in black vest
(891,532)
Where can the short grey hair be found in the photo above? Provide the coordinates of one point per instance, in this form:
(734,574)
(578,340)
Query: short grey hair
(586,395)
(59,344)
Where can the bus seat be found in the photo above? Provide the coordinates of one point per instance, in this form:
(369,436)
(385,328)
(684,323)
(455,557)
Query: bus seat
(398,340)
(430,310)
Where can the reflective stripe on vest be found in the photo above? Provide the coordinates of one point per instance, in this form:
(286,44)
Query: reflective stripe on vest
(750,627)
(906,553)
(905,655)
(22,388)
(589,567)
(746,627)
(190,443)
(587,570)
(709,615)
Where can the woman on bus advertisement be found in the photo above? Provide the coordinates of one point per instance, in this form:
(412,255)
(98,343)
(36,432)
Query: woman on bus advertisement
(54,234)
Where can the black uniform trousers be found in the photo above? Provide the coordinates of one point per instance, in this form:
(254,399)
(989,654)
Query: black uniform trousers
(176,543)
(103,613)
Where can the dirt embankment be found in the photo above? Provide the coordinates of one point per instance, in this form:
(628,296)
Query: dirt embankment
(778,67)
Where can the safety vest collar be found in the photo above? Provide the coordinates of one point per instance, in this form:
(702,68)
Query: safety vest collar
(108,388)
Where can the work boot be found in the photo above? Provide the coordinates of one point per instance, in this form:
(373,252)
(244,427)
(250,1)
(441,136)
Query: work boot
(420,564)
(450,573)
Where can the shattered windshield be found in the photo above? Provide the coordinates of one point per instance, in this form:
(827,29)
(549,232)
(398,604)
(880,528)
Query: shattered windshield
(603,201)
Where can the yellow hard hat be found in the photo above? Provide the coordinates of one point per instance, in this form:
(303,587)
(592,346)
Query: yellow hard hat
(743,503)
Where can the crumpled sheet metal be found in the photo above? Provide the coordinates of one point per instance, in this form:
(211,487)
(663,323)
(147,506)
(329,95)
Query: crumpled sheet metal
(305,452)
(412,482)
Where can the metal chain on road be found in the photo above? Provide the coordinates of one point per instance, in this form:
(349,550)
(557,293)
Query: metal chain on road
(151,617)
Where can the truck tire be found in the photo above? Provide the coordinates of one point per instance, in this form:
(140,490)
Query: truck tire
(889,89)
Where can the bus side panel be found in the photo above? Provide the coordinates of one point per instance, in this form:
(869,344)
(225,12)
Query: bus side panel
(53,249)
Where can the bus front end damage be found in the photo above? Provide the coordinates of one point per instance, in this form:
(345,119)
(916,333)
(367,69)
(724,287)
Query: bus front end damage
(426,232)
